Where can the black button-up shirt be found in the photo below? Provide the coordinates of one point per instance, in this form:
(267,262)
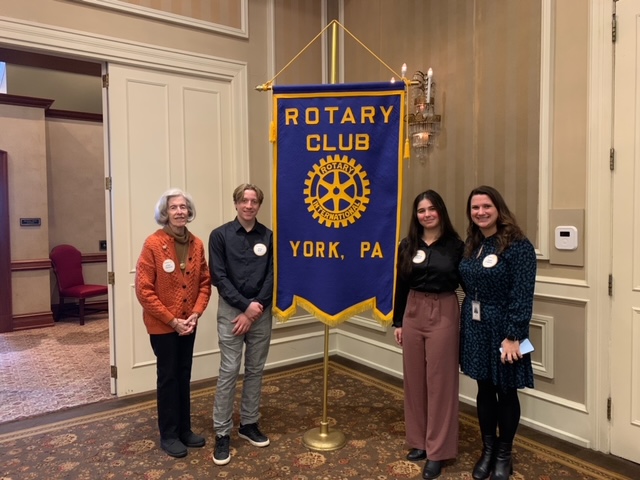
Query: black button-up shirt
(437,273)
(241,264)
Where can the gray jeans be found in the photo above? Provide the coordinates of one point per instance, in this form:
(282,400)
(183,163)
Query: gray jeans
(256,342)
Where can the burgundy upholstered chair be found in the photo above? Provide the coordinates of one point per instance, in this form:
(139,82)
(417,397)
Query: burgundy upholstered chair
(67,266)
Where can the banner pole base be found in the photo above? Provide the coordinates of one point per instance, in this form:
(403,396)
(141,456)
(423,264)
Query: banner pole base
(321,439)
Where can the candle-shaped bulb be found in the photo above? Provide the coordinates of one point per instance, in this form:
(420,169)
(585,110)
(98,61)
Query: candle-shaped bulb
(404,70)
(393,79)
(430,72)
(429,75)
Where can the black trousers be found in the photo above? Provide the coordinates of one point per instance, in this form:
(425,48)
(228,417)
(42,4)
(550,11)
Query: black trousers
(174,354)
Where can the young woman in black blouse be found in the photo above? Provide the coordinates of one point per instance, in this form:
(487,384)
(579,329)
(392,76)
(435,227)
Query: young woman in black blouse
(426,320)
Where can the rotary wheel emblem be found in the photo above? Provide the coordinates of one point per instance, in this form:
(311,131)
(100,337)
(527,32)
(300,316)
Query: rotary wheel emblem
(337,191)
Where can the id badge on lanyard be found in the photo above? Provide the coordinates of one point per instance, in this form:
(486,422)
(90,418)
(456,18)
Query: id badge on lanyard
(475,310)
(489,261)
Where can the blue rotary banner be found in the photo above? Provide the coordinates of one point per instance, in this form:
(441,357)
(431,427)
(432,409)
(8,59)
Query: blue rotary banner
(338,151)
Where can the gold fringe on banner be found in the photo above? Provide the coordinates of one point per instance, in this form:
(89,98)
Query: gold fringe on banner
(333,320)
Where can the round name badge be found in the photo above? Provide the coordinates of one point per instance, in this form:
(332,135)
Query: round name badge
(490,261)
(168,265)
(420,256)
(259,249)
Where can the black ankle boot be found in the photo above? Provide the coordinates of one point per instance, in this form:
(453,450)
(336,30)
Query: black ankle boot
(504,465)
(484,465)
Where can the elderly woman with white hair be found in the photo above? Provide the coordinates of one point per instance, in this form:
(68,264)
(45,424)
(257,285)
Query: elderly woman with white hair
(173,285)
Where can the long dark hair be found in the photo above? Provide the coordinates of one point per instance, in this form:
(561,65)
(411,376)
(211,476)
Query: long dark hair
(508,230)
(416,230)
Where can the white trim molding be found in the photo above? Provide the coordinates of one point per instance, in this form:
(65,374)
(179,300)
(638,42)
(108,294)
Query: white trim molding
(296,321)
(369,323)
(90,46)
(544,367)
(381,355)
(122,6)
(87,46)
(546,129)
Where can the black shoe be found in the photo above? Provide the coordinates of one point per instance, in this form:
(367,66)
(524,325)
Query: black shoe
(174,448)
(192,440)
(415,455)
(252,433)
(432,469)
(221,454)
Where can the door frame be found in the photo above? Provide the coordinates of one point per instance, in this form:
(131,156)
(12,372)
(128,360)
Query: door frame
(6,310)
(624,314)
(21,34)
(599,219)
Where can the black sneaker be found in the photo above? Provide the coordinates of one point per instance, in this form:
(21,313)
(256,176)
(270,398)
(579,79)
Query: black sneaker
(221,454)
(252,433)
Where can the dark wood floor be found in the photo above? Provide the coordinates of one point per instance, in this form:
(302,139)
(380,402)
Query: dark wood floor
(608,462)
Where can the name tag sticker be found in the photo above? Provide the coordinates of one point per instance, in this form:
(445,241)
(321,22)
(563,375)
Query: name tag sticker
(259,249)
(420,256)
(168,265)
(490,261)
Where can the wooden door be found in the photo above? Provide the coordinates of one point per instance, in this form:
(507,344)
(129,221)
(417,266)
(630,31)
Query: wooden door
(163,130)
(625,327)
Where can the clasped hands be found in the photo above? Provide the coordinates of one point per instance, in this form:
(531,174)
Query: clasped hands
(185,326)
(244,321)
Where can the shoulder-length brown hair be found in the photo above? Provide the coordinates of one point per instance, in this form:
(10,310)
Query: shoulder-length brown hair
(508,230)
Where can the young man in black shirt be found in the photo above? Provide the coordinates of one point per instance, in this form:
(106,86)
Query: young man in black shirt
(241,265)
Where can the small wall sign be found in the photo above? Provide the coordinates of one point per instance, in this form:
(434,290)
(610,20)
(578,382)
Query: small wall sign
(30,222)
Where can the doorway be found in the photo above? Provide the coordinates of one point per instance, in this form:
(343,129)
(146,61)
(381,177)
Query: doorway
(214,104)
(75,214)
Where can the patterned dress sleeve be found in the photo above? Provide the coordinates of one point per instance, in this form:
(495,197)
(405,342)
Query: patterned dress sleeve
(521,258)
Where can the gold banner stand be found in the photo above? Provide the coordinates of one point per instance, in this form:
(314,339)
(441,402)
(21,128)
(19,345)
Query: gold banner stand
(320,438)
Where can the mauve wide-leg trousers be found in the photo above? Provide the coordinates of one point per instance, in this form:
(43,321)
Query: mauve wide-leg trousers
(430,339)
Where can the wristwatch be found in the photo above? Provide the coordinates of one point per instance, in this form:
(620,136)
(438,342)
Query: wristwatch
(511,338)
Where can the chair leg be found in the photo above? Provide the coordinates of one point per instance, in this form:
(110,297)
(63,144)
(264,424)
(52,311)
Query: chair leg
(60,311)
(81,308)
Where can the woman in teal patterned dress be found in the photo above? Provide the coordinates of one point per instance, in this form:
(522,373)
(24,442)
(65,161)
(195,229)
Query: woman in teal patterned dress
(498,272)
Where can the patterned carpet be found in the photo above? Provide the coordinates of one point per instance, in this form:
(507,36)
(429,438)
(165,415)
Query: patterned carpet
(50,369)
(123,443)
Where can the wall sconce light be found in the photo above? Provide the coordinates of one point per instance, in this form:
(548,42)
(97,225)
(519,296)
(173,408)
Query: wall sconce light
(424,124)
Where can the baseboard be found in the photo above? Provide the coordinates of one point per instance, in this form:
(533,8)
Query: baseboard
(558,418)
(26,321)
(89,308)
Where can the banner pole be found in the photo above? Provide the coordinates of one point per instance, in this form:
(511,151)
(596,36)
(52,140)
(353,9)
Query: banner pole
(321,439)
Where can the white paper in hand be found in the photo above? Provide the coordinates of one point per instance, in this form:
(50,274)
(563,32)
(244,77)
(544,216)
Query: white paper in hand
(525,347)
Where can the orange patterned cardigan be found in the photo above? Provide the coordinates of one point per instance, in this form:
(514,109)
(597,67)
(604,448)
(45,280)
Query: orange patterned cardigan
(167,295)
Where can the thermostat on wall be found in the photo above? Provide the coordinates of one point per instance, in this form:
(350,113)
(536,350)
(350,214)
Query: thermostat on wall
(566,238)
